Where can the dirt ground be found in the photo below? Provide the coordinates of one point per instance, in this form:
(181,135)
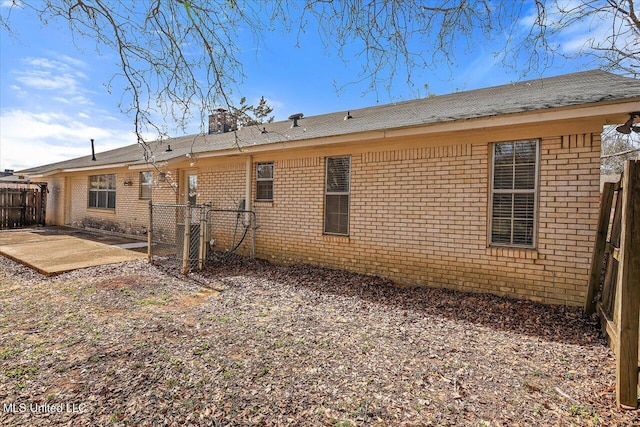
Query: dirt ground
(250,343)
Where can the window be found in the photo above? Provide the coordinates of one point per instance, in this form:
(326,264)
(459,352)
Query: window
(146,181)
(192,188)
(264,181)
(336,203)
(102,191)
(514,193)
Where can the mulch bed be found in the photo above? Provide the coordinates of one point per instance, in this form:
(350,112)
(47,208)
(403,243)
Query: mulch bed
(135,344)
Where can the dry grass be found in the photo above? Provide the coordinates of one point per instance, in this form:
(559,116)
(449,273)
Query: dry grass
(130,344)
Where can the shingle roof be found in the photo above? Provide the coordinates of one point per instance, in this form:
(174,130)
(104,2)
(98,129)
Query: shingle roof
(562,91)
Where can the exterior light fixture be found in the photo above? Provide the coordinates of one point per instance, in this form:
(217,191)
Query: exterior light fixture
(628,126)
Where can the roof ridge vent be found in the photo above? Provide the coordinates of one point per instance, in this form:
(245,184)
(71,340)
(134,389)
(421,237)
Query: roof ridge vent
(295,118)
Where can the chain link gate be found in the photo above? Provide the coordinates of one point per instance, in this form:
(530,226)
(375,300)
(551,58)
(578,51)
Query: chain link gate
(187,236)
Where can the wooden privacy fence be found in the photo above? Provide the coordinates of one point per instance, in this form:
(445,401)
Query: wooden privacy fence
(614,283)
(22,204)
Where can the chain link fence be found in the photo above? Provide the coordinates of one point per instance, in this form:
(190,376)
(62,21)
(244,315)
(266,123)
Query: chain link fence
(189,236)
(230,231)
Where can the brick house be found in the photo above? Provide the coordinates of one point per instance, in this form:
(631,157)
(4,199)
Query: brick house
(492,190)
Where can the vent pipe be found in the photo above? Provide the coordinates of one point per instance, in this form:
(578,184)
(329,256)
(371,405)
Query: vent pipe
(93,151)
(295,118)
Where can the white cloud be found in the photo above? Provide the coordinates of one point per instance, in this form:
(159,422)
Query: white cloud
(56,116)
(60,76)
(482,71)
(45,63)
(11,3)
(73,100)
(588,29)
(30,139)
(72,62)
(43,80)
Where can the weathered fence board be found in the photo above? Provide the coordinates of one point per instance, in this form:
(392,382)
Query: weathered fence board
(600,246)
(627,310)
(617,297)
(22,205)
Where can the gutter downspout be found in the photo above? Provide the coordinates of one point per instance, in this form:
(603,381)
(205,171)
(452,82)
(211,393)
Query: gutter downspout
(247,202)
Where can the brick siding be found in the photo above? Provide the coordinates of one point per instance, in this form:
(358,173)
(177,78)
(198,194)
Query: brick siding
(131,215)
(418,215)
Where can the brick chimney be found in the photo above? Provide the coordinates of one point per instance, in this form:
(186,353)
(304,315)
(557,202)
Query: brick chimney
(222,122)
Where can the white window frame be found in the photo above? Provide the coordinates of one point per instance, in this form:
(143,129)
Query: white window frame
(188,194)
(536,196)
(258,179)
(95,187)
(146,185)
(328,194)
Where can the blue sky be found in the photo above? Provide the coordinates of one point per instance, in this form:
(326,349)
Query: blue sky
(53,96)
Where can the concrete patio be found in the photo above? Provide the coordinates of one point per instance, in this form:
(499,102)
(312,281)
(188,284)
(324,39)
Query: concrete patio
(55,250)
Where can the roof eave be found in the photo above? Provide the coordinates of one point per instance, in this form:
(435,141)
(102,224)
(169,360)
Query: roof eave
(91,168)
(41,174)
(581,111)
(574,112)
(611,112)
(142,165)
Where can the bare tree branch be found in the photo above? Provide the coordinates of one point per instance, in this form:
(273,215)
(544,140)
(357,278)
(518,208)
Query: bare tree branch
(181,59)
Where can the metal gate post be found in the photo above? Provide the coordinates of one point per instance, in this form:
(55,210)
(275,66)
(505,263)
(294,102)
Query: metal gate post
(187,238)
(253,236)
(202,254)
(43,204)
(150,234)
(23,208)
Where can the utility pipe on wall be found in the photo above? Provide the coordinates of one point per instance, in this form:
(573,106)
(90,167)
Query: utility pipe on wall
(247,183)
(247,201)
